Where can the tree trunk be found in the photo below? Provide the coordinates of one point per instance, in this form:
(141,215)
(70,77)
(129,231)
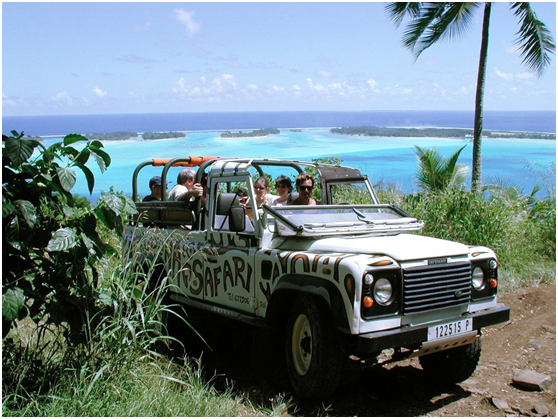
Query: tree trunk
(477,136)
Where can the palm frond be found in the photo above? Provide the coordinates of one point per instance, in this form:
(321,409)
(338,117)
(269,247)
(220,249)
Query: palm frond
(421,27)
(398,10)
(436,173)
(435,21)
(456,20)
(534,39)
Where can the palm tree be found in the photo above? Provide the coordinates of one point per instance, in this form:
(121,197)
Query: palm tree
(434,21)
(436,173)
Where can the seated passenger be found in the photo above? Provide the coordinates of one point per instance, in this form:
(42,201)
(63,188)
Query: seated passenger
(185,188)
(305,188)
(242,195)
(284,187)
(155,187)
(261,187)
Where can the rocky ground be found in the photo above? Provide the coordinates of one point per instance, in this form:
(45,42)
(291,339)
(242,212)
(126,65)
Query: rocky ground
(526,344)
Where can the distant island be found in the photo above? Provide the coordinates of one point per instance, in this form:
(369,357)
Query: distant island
(437,133)
(112,136)
(162,135)
(295,130)
(257,133)
(126,135)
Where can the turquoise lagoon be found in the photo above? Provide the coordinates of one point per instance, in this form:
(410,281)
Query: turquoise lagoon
(390,160)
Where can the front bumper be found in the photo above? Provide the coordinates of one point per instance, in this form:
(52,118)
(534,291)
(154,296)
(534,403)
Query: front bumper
(413,336)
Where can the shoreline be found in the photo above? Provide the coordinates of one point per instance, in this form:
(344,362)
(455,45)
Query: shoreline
(511,132)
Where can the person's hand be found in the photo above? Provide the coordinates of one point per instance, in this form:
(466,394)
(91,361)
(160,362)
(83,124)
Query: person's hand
(197,190)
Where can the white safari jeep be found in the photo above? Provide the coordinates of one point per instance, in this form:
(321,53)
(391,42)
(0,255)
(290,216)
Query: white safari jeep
(337,280)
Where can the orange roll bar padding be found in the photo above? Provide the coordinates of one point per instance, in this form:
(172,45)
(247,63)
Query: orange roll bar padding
(194,161)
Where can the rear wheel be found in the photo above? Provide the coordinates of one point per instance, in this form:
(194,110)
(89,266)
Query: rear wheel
(453,365)
(314,355)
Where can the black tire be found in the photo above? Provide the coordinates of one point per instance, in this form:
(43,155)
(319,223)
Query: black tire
(314,354)
(453,365)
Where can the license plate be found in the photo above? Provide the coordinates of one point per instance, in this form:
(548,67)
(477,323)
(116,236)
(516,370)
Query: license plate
(447,330)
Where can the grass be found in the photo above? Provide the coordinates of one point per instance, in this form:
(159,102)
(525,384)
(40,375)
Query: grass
(121,369)
(521,231)
(135,386)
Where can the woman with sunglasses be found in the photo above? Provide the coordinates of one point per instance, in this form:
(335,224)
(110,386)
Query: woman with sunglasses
(284,187)
(261,188)
(305,188)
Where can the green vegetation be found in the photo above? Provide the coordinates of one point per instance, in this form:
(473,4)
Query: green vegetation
(257,133)
(112,136)
(162,135)
(437,133)
(435,173)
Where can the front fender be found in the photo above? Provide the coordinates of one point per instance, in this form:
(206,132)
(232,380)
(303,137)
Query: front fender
(325,291)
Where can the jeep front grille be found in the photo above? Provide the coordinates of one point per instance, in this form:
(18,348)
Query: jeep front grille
(434,287)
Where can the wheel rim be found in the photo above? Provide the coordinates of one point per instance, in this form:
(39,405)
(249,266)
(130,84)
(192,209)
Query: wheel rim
(302,345)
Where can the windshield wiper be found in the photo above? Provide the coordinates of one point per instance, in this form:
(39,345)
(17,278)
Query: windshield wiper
(362,217)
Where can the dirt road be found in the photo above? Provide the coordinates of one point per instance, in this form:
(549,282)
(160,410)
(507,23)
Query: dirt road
(526,342)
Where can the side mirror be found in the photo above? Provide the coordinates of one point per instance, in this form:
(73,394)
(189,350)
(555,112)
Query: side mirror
(237,219)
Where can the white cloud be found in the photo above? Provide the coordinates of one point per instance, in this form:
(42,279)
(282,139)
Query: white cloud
(99,92)
(225,87)
(187,19)
(527,77)
(325,73)
(276,89)
(501,74)
(7,101)
(62,97)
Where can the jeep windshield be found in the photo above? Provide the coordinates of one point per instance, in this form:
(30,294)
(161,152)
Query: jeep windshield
(322,220)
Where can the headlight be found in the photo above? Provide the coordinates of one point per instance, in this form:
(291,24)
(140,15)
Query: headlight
(478,278)
(383,291)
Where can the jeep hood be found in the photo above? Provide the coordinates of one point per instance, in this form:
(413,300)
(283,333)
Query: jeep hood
(401,247)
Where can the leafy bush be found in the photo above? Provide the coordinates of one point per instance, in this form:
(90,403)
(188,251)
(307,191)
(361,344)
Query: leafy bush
(458,215)
(50,240)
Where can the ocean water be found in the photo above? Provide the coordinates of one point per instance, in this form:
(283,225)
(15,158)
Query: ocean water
(390,160)
(533,121)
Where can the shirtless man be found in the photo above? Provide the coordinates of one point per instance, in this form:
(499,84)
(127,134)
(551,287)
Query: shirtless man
(305,188)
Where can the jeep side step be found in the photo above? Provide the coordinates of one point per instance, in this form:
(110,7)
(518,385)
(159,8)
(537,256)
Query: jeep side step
(243,317)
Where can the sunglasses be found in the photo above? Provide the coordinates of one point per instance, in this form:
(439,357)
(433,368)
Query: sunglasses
(306,188)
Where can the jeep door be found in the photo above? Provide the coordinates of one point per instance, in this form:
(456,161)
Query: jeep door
(229,277)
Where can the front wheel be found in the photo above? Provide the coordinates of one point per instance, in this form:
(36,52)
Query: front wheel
(314,355)
(453,365)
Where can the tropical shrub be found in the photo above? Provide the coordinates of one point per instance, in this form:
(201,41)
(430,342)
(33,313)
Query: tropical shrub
(436,173)
(50,242)
(458,215)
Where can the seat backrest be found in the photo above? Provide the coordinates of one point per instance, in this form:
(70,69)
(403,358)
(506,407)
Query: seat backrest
(225,202)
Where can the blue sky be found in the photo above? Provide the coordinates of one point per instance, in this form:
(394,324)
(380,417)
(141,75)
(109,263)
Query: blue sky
(97,58)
